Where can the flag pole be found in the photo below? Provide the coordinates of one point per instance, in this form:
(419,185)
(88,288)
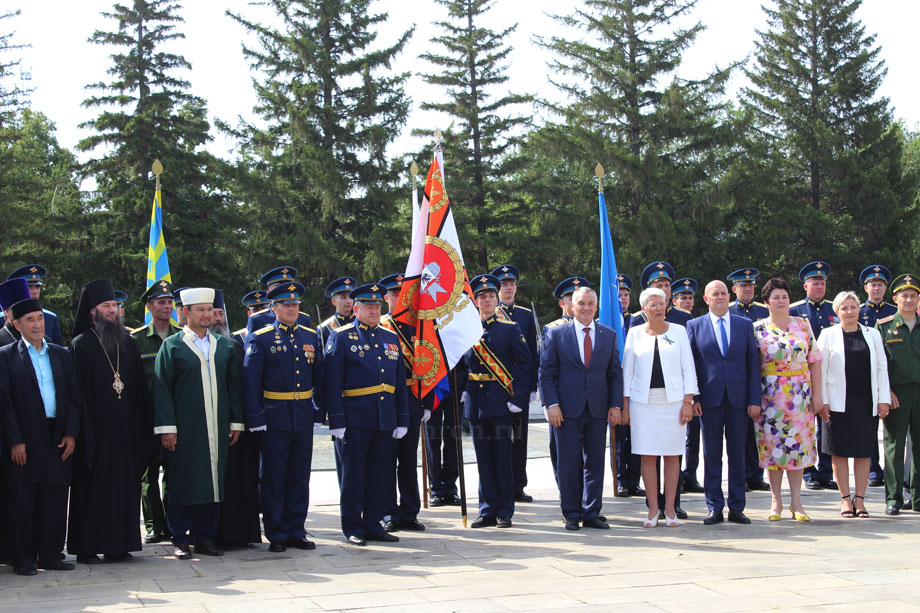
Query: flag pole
(599,172)
(423,439)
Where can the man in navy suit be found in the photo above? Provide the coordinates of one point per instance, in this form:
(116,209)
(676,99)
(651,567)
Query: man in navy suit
(582,385)
(728,372)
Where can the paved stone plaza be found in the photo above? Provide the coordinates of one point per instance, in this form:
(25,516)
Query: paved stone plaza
(828,564)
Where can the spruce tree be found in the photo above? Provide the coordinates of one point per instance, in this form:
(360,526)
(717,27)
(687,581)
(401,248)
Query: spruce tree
(480,146)
(314,168)
(10,93)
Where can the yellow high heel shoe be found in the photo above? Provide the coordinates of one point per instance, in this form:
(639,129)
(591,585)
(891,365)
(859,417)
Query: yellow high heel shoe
(775,515)
(799,516)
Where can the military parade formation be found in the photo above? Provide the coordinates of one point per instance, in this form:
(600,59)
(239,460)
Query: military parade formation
(206,432)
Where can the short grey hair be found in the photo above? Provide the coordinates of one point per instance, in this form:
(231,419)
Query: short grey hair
(648,293)
(842,297)
(582,290)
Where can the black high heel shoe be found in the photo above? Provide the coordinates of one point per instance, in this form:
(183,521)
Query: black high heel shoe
(861,514)
(849,513)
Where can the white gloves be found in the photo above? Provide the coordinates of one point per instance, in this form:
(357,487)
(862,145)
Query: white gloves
(463,398)
(259,429)
(338,433)
(400,432)
(426,415)
(514,408)
(534,396)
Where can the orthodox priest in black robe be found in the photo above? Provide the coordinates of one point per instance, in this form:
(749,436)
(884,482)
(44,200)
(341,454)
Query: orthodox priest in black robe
(116,422)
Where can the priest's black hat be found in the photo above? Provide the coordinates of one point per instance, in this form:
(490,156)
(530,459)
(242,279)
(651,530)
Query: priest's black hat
(93,294)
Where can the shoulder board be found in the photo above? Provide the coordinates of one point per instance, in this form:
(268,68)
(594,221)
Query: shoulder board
(267,328)
(885,320)
(553,324)
(240,332)
(345,327)
(637,314)
(523,308)
(732,303)
(681,310)
(302,313)
(306,328)
(760,304)
(136,330)
(502,321)
(799,303)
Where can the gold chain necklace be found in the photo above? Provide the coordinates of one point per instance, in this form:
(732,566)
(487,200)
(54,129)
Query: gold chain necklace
(117,385)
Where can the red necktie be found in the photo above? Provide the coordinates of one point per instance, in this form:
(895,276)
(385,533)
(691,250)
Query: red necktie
(588,348)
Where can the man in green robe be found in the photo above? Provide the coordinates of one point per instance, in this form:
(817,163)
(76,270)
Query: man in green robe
(198,413)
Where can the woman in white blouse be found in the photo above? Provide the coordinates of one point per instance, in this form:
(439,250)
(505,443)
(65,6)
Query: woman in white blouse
(854,378)
(659,383)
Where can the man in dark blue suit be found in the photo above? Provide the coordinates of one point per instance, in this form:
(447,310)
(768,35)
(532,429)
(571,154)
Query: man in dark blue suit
(728,373)
(582,385)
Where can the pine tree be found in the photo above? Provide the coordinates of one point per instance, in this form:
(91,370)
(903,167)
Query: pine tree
(148,114)
(315,169)
(664,140)
(9,94)
(829,136)
(480,147)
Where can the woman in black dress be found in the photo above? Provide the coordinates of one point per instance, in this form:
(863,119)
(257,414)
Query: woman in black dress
(855,381)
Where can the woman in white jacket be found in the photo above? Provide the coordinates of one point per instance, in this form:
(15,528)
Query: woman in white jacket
(854,378)
(659,383)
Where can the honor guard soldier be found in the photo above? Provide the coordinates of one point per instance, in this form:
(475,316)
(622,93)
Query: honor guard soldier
(403,469)
(177,304)
(367,404)
(683,292)
(496,366)
(820,314)
(273,278)
(159,301)
(875,280)
(659,275)
(120,299)
(255,301)
(901,336)
(34,274)
(625,285)
(339,294)
(744,282)
(508,276)
(282,375)
(562,293)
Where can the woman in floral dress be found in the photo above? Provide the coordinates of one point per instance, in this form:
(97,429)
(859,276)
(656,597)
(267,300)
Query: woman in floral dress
(790,366)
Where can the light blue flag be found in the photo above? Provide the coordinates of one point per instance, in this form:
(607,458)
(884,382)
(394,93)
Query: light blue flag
(608,292)
(157,261)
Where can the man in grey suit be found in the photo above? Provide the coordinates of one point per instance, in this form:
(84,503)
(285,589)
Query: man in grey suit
(582,385)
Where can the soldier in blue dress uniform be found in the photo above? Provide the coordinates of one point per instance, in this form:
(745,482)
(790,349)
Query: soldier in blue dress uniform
(339,294)
(660,274)
(272,279)
(367,404)
(625,285)
(34,275)
(744,283)
(875,280)
(255,301)
(683,292)
(282,382)
(403,470)
(508,276)
(497,379)
(820,315)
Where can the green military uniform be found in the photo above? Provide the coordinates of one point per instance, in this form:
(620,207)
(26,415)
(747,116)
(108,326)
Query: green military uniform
(148,344)
(902,348)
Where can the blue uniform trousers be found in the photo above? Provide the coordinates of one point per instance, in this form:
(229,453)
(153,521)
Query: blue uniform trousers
(692,449)
(366,456)
(727,423)
(441,436)
(492,442)
(284,482)
(193,523)
(628,463)
(752,469)
(521,423)
(580,444)
(337,452)
(403,473)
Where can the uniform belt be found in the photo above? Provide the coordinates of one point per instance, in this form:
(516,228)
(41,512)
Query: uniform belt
(367,391)
(288,395)
(786,373)
(482,376)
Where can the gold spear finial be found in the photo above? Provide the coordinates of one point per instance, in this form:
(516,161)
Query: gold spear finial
(599,172)
(157,171)
(438,137)
(413,170)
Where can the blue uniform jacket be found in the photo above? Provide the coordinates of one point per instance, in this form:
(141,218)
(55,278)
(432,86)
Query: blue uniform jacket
(673,316)
(819,314)
(358,359)
(565,381)
(488,399)
(869,312)
(524,318)
(259,320)
(736,373)
(755,311)
(283,360)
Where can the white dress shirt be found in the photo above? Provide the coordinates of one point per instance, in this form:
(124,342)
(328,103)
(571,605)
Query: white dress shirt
(728,329)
